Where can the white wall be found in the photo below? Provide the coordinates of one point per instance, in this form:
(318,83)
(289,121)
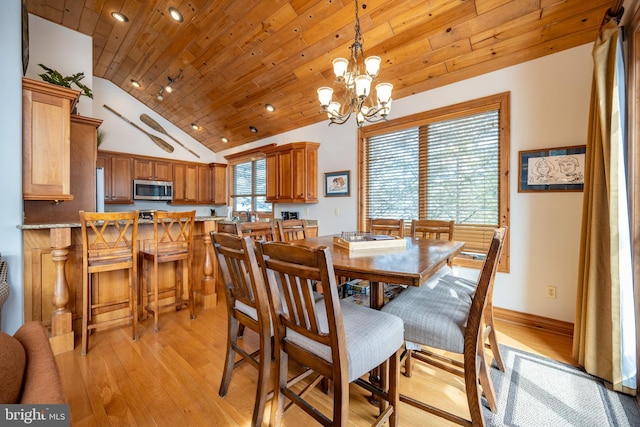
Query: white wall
(123,137)
(61,49)
(11,160)
(549,108)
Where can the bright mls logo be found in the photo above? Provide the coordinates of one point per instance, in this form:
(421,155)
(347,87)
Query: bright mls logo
(37,415)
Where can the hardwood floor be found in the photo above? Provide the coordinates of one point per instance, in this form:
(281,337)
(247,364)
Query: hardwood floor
(172,377)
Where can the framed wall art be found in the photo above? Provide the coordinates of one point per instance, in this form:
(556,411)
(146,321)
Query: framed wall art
(337,184)
(552,169)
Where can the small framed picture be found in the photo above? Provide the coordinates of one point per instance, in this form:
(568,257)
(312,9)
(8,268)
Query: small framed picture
(552,169)
(337,184)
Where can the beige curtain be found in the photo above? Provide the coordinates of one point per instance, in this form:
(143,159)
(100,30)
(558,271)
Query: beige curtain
(597,331)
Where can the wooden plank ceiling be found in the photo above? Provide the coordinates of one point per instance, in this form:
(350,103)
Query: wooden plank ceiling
(238,55)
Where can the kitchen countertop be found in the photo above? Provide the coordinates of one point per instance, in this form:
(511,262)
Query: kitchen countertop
(77,224)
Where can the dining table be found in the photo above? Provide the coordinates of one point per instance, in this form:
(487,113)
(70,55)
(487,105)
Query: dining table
(410,265)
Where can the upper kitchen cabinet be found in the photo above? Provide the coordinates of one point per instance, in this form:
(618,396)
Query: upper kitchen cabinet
(84,142)
(46,140)
(185,183)
(219,187)
(204,184)
(118,181)
(155,170)
(292,173)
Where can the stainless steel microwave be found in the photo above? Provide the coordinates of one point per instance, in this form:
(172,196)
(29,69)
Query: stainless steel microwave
(152,190)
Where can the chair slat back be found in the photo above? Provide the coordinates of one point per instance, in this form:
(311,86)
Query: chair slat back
(262,231)
(292,229)
(173,231)
(432,229)
(290,272)
(109,236)
(388,226)
(242,276)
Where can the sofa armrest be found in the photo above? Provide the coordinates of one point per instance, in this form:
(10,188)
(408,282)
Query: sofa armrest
(42,383)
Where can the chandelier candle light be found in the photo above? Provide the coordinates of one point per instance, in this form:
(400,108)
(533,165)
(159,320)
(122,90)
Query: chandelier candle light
(357,74)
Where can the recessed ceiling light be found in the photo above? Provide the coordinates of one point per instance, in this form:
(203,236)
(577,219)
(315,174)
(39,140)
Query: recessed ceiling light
(270,108)
(119,17)
(135,83)
(195,126)
(224,139)
(175,14)
(253,129)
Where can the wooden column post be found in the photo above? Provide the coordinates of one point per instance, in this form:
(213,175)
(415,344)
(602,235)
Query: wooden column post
(61,338)
(210,267)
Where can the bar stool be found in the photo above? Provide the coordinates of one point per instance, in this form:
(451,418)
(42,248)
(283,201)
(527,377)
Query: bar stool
(172,242)
(106,246)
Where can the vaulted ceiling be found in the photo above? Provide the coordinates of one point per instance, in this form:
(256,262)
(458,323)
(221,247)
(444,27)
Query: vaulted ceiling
(235,56)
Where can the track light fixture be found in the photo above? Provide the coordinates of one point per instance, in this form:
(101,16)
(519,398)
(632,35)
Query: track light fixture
(168,88)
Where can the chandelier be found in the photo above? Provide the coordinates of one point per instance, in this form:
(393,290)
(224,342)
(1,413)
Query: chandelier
(356,75)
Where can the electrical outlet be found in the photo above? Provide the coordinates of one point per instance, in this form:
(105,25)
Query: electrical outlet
(551,292)
(336,211)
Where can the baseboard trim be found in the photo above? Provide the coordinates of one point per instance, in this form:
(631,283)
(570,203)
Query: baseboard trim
(534,321)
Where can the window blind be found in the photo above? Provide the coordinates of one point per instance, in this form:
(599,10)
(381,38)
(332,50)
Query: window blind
(393,174)
(250,186)
(446,170)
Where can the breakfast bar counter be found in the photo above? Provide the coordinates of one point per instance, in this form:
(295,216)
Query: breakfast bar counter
(53,274)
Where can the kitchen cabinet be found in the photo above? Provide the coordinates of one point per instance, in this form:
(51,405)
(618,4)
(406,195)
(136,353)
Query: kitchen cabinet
(292,173)
(150,169)
(118,181)
(219,183)
(185,183)
(204,184)
(226,227)
(46,140)
(83,177)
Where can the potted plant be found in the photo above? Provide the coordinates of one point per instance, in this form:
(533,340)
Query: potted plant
(54,77)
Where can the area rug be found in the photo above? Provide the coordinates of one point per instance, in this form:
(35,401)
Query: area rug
(535,391)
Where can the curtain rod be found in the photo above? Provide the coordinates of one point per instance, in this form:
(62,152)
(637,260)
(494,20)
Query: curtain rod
(614,12)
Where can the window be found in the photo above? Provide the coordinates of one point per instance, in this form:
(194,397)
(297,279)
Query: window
(449,164)
(250,186)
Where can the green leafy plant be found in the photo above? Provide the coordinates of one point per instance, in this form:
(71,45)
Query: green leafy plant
(102,135)
(54,77)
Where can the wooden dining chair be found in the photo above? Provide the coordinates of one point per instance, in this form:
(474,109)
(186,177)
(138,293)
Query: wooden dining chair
(247,304)
(339,340)
(291,229)
(172,242)
(109,244)
(388,226)
(438,229)
(432,229)
(444,314)
(257,230)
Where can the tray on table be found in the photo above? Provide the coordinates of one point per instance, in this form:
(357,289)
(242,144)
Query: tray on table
(357,241)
